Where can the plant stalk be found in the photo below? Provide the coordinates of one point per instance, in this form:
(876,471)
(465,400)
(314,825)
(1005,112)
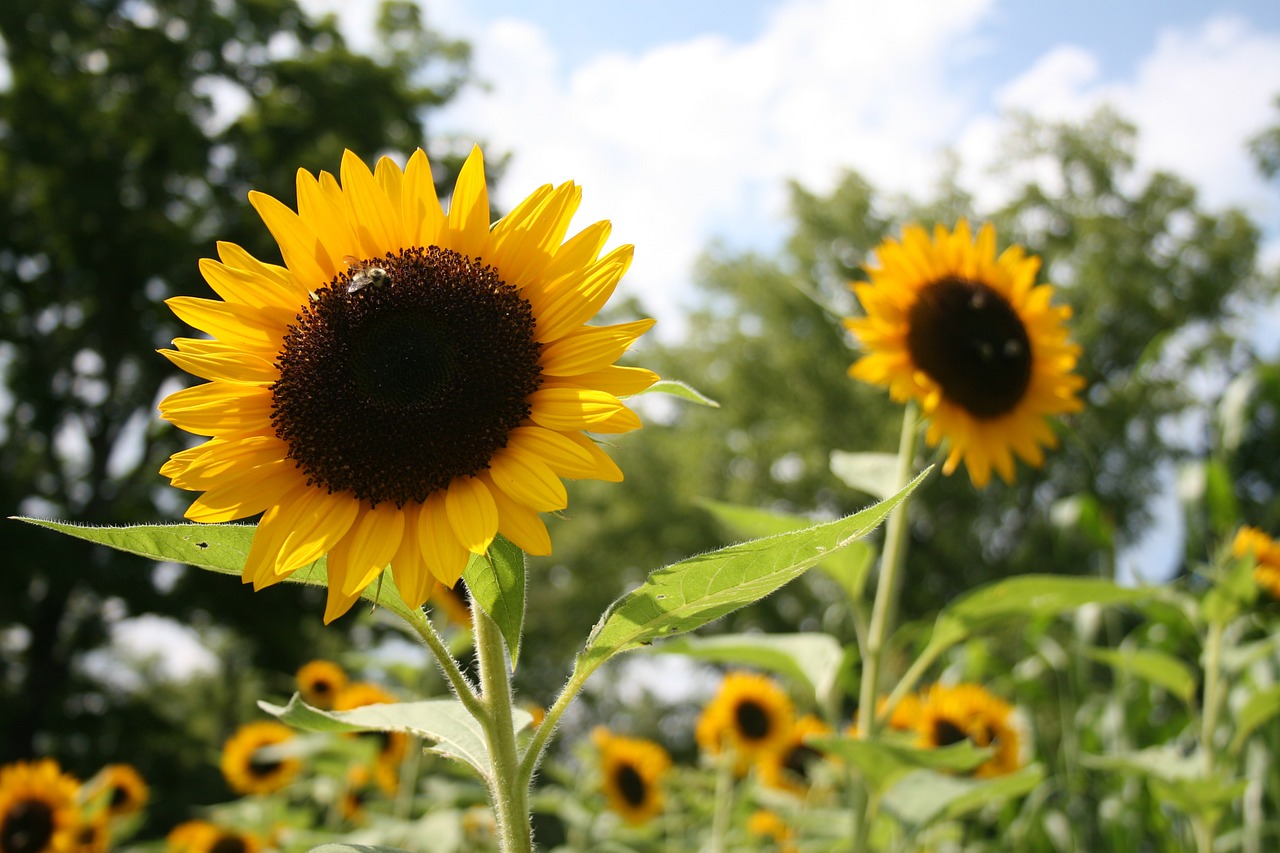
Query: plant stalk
(510,793)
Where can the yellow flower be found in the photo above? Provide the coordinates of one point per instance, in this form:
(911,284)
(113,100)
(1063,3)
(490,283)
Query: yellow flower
(632,771)
(751,716)
(93,835)
(768,824)
(320,681)
(1266,555)
(455,603)
(950,714)
(122,790)
(789,768)
(408,385)
(246,771)
(973,338)
(199,836)
(392,746)
(356,791)
(38,810)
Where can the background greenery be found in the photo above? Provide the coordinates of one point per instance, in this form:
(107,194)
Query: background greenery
(118,171)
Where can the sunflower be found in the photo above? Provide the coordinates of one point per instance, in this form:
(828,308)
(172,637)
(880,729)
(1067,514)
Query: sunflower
(455,603)
(751,715)
(408,385)
(199,836)
(356,792)
(1250,541)
(632,771)
(974,339)
(246,771)
(950,714)
(320,681)
(93,835)
(769,824)
(121,789)
(38,810)
(790,768)
(392,746)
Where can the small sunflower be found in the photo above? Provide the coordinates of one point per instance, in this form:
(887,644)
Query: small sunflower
(408,385)
(750,715)
(950,714)
(1250,541)
(770,825)
(392,746)
(121,789)
(632,771)
(38,808)
(93,835)
(320,681)
(791,768)
(974,339)
(356,792)
(199,836)
(249,773)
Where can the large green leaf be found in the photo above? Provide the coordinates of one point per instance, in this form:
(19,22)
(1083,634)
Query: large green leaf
(810,661)
(1166,761)
(1204,797)
(693,592)
(923,796)
(1260,708)
(882,763)
(873,473)
(683,390)
(447,722)
(220,548)
(1152,666)
(498,585)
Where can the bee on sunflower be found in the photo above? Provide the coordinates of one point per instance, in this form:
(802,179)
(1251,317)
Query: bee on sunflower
(1250,541)
(971,337)
(751,716)
(952,713)
(632,770)
(408,385)
(319,681)
(39,810)
(246,770)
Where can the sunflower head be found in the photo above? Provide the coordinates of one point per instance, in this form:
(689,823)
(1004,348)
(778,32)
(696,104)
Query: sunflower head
(320,681)
(952,713)
(38,808)
(631,770)
(751,716)
(408,384)
(199,836)
(357,790)
(970,336)
(93,835)
(247,770)
(791,767)
(391,747)
(119,789)
(766,824)
(1252,542)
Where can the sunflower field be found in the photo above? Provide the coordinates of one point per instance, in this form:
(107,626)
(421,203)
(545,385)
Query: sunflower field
(865,558)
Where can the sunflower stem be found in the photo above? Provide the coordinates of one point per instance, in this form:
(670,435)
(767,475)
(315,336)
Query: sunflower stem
(722,817)
(538,744)
(882,613)
(448,665)
(1209,723)
(509,790)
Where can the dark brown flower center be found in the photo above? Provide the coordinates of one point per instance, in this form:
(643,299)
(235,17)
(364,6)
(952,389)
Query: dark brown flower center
(752,720)
(119,797)
(799,759)
(393,384)
(970,340)
(228,843)
(263,767)
(631,785)
(946,733)
(27,828)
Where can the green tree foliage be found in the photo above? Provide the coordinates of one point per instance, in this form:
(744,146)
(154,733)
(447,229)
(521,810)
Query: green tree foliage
(1153,278)
(129,134)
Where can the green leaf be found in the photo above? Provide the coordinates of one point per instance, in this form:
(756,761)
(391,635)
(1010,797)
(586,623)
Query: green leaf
(498,585)
(810,661)
(873,473)
(220,548)
(1240,657)
(1260,708)
(1234,591)
(1167,761)
(849,566)
(691,593)
(355,848)
(924,796)
(1205,797)
(1152,666)
(882,763)
(1220,498)
(447,722)
(683,390)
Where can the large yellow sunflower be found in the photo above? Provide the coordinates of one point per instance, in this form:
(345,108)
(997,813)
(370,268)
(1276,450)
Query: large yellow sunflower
(972,337)
(952,713)
(750,715)
(320,681)
(632,771)
(1266,556)
(409,384)
(38,809)
(248,772)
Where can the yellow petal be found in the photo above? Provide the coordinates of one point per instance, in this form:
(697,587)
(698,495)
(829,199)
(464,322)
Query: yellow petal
(412,576)
(219,408)
(469,209)
(377,225)
(472,513)
(562,455)
(590,348)
(445,555)
(570,409)
(580,251)
(614,379)
(234,256)
(419,205)
(258,329)
(327,217)
(246,287)
(518,522)
(528,480)
(303,253)
(225,366)
(297,531)
(524,241)
(566,303)
(244,493)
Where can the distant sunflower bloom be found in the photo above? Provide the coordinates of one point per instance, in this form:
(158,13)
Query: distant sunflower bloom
(408,385)
(93,835)
(392,746)
(632,771)
(199,836)
(1266,556)
(791,767)
(973,338)
(751,716)
(769,824)
(38,809)
(122,789)
(248,772)
(950,714)
(320,681)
